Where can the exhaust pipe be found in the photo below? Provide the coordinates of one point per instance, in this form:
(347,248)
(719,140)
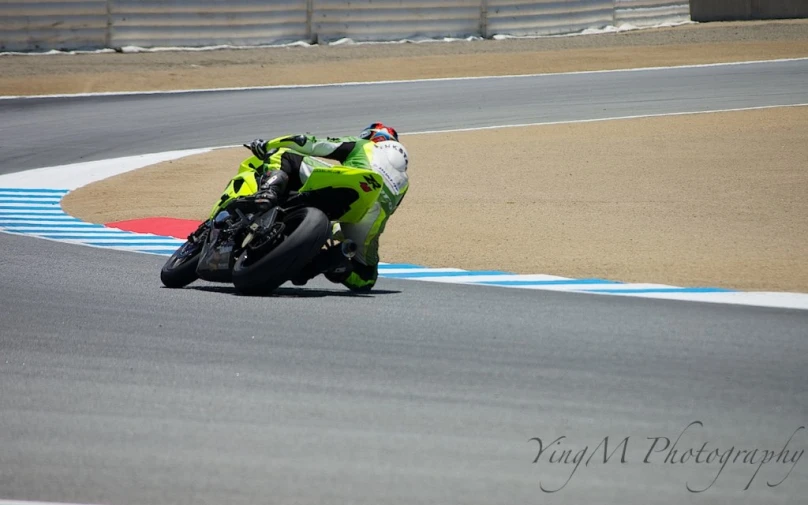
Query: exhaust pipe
(348,248)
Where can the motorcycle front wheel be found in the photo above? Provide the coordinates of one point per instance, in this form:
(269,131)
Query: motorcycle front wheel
(180,269)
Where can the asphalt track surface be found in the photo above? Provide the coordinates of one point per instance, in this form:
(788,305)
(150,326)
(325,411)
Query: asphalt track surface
(117,391)
(46,131)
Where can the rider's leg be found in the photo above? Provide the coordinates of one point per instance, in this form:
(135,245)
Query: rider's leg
(332,259)
(364,265)
(297,169)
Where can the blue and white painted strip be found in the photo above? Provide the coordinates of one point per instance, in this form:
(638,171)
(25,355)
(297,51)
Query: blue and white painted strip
(65,228)
(28,212)
(536,281)
(30,205)
(22,212)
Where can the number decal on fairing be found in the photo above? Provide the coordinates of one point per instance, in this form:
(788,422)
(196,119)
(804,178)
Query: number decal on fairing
(369,185)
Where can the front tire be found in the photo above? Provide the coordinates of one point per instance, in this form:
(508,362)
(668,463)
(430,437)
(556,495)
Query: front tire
(180,269)
(306,231)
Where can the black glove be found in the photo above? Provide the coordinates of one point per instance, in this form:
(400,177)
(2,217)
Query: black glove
(258,148)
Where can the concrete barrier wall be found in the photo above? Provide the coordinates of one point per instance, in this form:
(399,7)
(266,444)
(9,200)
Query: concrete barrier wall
(200,22)
(56,24)
(745,10)
(643,13)
(546,17)
(385,20)
(36,25)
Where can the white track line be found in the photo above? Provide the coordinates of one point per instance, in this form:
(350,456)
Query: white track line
(550,123)
(572,121)
(23,502)
(402,81)
(76,175)
(612,118)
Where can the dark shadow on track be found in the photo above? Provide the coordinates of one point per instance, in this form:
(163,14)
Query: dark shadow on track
(283,292)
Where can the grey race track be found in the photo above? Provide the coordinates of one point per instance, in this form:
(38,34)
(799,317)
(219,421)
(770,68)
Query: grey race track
(117,391)
(46,131)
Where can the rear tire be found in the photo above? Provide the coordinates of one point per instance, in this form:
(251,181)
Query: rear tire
(307,230)
(180,269)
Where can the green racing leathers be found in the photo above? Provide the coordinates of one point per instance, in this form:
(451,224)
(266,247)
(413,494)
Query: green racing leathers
(296,156)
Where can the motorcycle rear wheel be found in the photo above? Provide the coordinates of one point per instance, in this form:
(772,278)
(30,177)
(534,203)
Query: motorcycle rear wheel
(306,231)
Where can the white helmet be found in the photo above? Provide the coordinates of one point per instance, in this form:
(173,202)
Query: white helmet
(392,154)
(390,159)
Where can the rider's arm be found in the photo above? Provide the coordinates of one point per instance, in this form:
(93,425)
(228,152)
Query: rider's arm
(337,148)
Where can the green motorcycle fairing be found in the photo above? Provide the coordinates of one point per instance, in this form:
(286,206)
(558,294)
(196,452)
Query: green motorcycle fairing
(244,183)
(366,184)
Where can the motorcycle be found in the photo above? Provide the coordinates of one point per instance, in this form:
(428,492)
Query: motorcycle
(259,250)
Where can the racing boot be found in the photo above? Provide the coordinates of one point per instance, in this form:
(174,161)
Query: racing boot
(272,189)
(271,192)
(333,261)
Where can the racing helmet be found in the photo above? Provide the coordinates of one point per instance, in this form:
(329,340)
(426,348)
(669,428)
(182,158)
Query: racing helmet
(391,154)
(378,132)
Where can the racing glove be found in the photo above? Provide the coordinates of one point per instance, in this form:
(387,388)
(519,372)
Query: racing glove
(258,148)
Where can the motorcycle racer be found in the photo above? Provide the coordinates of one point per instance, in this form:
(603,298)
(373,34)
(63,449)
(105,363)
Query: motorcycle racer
(289,160)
